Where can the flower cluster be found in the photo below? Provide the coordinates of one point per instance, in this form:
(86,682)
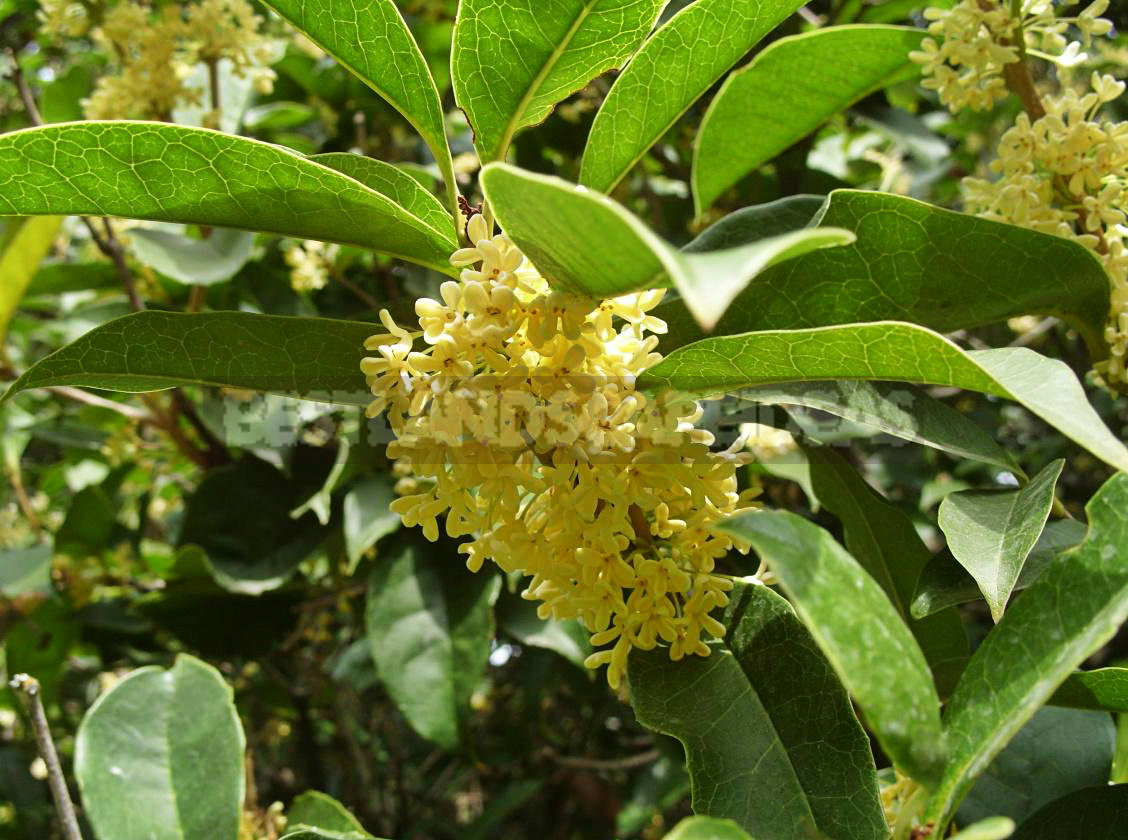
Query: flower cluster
(973,42)
(1062,168)
(518,419)
(154,51)
(309,263)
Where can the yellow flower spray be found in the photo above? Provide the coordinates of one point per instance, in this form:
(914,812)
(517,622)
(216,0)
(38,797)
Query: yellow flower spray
(1063,167)
(518,419)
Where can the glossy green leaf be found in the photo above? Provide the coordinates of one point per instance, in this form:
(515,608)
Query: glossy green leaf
(817,74)
(1073,607)
(884,542)
(896,409)
(675,67)
(567,637)
(751,224)
(240,517)
(707,828)
(918,263)
(1095,813)
(171,173)
(367,515)
(21,251)
(160,756)
(770,738)
(513,60)
(371,40)
(396,184)
(991,532)
(429,625)
(1103,689)
(316,358)
(586,243)
(1057,752)
(199,262)
(314,809)
(851,618)
(944,582)
(893,351)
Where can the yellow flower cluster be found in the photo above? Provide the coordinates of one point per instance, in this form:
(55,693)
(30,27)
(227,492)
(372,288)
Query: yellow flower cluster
(519,420)
(63,18)
(155,50)
(309,264)
(972,43)
(1062,169)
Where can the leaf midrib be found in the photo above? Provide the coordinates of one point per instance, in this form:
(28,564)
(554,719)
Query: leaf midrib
(514,122)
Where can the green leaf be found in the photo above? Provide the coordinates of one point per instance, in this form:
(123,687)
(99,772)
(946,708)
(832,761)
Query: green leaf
(884,542)
(567,637)
(586,243)
(675,67)
(313,809)
(1073,608)
(817,74)
(896,409)
(1095,813)
(367,515)
(199,262)
(1103,689)
(992,828)
(314,358)
(160,756)
(1057,752)
(707,828)
(89,525)
(396,184)
(25,571)
(859,630)
(918,263)
(751,224)
(513,60)
(770,738)
(991,532)
(171,173)
(429,628)
(325,834)
(944,582)
(370,39)
(889,350)
(22,252)
(240,517)
(56,278)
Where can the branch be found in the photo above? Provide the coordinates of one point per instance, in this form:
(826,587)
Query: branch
(25,92)
(627,763)
(27,688)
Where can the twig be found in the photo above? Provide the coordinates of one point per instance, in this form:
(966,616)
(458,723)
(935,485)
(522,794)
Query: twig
(86,398)
(16,480)
(28,690)
(627,763)
(25,92)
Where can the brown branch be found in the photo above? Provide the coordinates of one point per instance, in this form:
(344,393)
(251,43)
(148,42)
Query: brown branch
(86,398)
(631,761)
(27,688)
(20,82)
(16,480)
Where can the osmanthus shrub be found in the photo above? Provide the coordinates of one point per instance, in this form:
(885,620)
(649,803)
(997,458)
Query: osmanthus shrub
(550,403)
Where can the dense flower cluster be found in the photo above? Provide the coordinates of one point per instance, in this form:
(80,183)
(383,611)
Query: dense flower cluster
(519,420)
(154,50)
(309,263)
(1062,168)
(972,43)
